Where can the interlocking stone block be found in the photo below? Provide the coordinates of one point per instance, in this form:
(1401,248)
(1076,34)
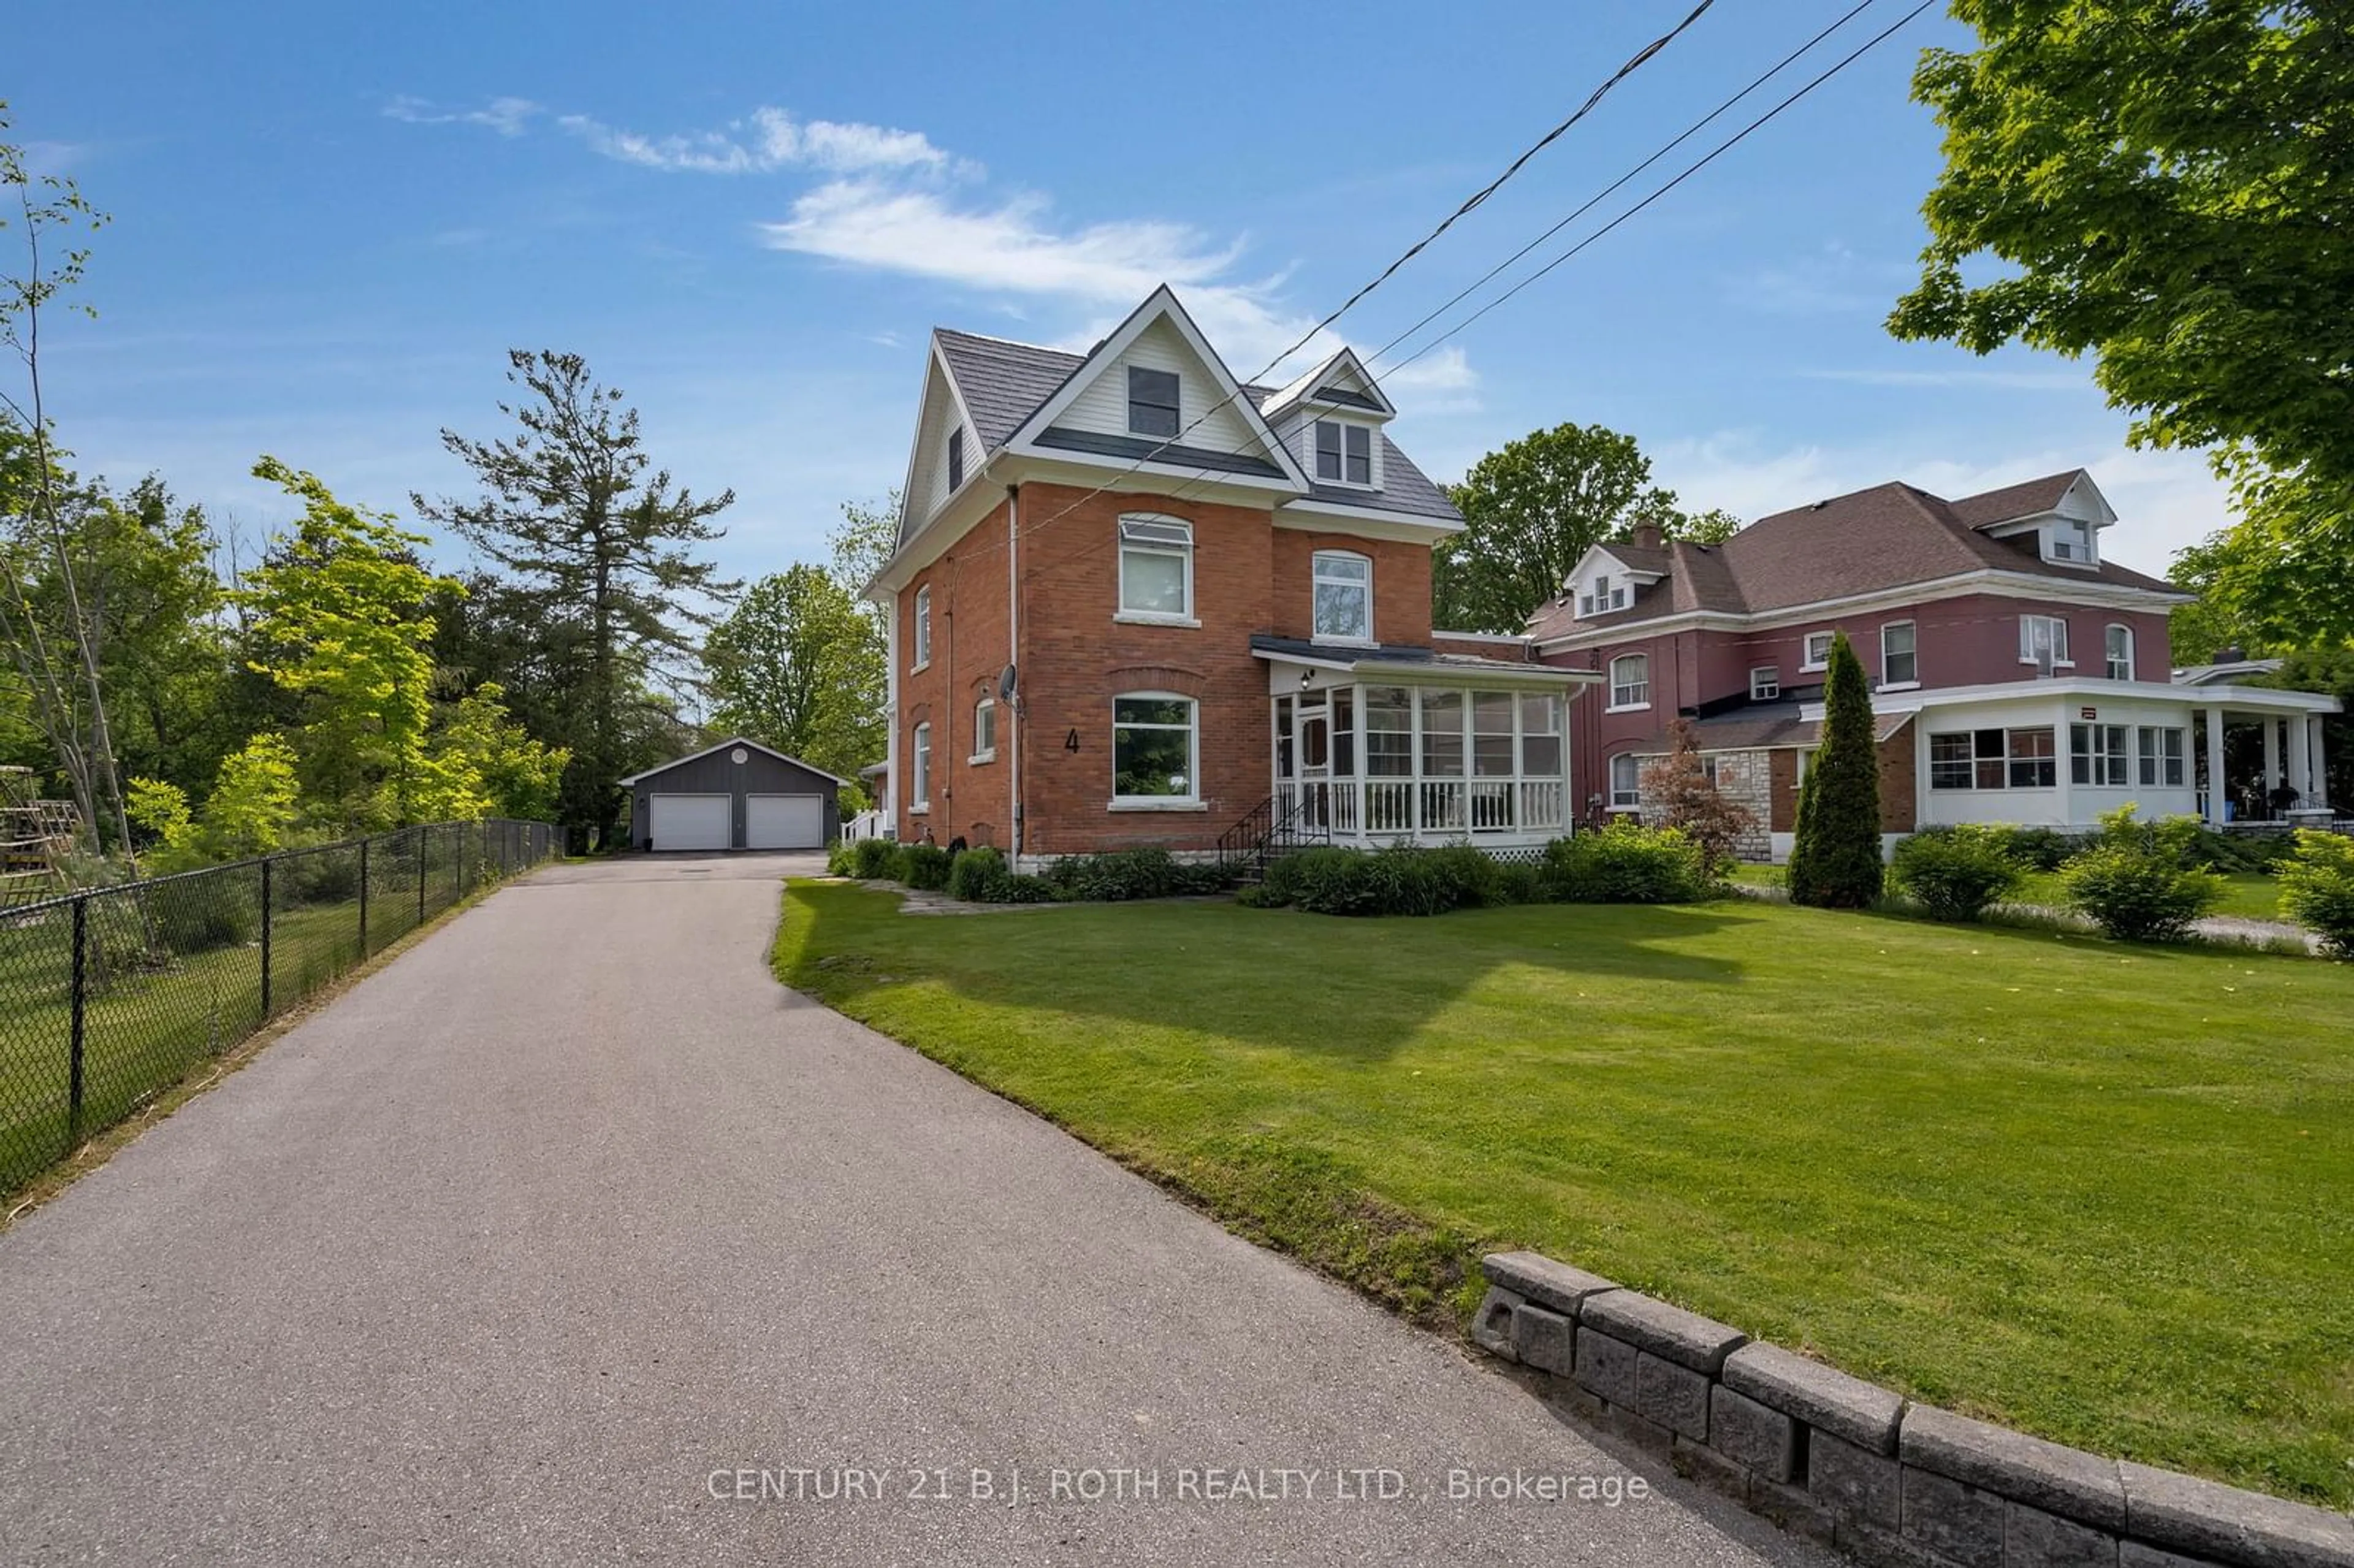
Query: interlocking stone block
(1853,1482)
(1676,1397)
(1605,1366)
(2033,1538)
(1698,1462)
(1491,1325)
(2134,1554)
(1794,1508)
(2064,1482)
(1955,1520)
(1752,1433)
(1668,1332)
(1544,1281)
(1639,1429)
(1864,1414)
(2184,1513)
(1544,1339)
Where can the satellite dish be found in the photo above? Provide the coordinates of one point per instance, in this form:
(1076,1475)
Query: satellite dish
(1006,684)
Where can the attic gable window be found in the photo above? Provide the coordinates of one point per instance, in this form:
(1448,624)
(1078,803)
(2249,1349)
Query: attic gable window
(1603,596)
(956,458)
(2072,542)
(1344,452)
(1152,401)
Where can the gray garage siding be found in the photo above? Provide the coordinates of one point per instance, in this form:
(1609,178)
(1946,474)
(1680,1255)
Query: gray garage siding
(758,773)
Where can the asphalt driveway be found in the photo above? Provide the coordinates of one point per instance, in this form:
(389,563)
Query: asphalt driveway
(548,1241)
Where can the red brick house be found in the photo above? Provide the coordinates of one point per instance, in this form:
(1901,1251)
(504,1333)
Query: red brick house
(1134,602)
(2019,677)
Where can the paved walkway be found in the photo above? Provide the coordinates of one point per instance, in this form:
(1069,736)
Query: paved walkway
(536,1238)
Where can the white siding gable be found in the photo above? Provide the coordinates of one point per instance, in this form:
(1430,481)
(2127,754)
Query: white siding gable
(1101,405)
(927,474)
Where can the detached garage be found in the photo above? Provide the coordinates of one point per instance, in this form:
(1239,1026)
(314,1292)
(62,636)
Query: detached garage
(737,795)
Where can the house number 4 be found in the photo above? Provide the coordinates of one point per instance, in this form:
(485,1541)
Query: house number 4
(1071,741)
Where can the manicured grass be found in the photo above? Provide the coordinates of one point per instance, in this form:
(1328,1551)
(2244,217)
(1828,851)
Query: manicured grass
(2249,895)
(2102,1193)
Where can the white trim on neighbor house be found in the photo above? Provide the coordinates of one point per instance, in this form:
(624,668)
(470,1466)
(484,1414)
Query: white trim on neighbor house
(1991,581)
(733,740)
(1314,513)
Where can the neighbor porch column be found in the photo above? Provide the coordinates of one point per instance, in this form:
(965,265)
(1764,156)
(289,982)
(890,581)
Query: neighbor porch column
(2313,728)
(2215,788)
(2271,755)
(2300,761)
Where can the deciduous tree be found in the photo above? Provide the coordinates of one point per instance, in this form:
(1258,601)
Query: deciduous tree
(797,667)
(1679,793)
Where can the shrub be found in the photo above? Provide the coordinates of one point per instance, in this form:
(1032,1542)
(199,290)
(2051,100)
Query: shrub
(841,859)
(1517,883)
(2244,852)
(1201,878)
(924,866)
(1835,863)
(2140,881)
(1402,880)
(978,876)
(2318,888)
(872,858)
(1955,873)
(2043,848)
(1116,875)
(1627,862)
(1466,877)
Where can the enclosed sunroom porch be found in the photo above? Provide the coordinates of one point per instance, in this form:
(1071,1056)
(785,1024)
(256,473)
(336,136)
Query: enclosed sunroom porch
(1389,745)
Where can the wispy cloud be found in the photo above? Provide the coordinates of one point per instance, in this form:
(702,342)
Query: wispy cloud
(1833,281)
(766,141)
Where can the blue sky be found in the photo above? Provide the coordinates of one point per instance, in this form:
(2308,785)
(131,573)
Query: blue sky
(330,222)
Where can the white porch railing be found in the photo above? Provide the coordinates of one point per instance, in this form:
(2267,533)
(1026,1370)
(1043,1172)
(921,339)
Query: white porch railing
(1381,809)
(866,825)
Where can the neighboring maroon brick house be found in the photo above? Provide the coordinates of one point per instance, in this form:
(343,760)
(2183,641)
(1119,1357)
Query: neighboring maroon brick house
(1136,603)
(2019,677)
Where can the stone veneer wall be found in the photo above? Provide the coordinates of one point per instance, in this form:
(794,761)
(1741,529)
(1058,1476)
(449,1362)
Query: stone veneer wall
(1857,1467)
(1746,779)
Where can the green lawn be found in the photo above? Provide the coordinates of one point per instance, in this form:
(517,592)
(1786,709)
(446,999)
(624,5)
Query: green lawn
(2251,895)
(2104,1193)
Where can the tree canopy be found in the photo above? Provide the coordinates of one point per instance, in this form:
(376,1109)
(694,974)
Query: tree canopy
(1535,506)
(2166,187)
(797,667)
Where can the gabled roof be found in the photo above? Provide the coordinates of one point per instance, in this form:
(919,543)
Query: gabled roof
(732,740)
(1888,538)
(1002,381)
(1341,381)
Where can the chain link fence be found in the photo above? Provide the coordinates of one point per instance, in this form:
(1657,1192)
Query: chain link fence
(109,997)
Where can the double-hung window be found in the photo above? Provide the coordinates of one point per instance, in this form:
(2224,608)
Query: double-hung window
(1900,658)
(923,619)
(984,730)
(1630,681)
(1155,745)
(1344,592)
(1626,782)
(1765,683)
(1156,568)
(1344,452)
(1818,650)
(1152,402)
(2118,645)
(2073,542)
(2162,757)
(956,458)
(2043,639)
(919,787)
(2097,756)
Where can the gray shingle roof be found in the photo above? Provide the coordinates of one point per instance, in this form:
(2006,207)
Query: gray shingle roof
(1404,653)
(1002,383)
(1763,727)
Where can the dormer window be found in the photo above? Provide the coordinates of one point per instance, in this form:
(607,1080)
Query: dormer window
(2072,542)
(1152,401)
(956,458)
(1603,596)
(1344,452)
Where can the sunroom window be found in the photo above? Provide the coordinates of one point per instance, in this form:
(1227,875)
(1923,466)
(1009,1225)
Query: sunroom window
(1154,746)
(1344,596)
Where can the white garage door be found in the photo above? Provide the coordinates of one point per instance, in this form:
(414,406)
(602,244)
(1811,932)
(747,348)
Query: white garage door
(784,821)
(689,822)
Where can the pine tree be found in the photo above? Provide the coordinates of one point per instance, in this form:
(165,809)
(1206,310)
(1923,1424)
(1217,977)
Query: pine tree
(601,553)
(1835,863)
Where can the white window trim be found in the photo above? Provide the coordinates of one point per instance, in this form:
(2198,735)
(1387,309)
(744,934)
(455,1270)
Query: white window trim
(1610,783)
(919,769)
(1121,611)
(1372,479)
(1807,662)
(920,640)
(1616,705)
(1885,683)
(2108,662)
(2059,642)
(1315,581)
(1192,799)
(988,753)
(1773,673)
(2048,539)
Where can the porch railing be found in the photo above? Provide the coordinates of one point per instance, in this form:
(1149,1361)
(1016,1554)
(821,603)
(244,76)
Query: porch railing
(1405,807)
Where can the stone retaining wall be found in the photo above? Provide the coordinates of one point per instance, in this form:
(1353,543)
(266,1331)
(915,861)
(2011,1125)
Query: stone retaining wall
(1854,1466)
